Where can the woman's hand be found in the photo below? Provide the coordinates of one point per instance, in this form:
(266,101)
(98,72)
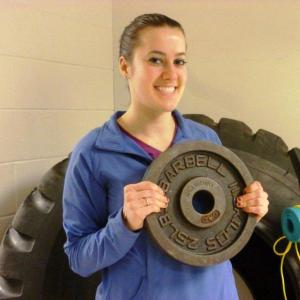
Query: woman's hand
(254,200)
(140,200)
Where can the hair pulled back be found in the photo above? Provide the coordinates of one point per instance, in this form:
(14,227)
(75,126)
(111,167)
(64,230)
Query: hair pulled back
(130,36)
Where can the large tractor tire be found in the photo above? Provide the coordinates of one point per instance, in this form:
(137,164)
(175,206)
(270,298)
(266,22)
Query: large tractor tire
(33,265)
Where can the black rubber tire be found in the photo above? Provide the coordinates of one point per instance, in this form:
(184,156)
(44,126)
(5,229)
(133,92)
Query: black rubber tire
(32,262)
(33,265)
(278,169)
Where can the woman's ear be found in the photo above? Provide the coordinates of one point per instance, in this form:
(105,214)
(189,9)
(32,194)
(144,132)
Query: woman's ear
(124,67)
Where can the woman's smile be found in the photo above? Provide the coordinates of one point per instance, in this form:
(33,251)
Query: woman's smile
(166,91)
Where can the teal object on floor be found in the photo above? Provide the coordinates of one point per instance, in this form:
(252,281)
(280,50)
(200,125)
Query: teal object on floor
(290,223)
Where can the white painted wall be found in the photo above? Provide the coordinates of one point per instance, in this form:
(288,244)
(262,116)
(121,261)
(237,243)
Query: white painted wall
(56,84)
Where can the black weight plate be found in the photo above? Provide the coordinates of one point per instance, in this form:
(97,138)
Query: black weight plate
(201,225)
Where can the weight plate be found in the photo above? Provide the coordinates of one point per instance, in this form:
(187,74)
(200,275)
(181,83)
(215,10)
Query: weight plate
(201,225)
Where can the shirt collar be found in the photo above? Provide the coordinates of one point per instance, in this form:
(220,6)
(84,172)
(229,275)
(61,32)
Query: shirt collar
(111,137)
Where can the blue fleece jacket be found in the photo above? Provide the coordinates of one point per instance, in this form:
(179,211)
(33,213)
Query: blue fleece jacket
(133,267)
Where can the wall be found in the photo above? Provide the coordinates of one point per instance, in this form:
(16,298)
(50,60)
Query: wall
(56,84)
(243,59)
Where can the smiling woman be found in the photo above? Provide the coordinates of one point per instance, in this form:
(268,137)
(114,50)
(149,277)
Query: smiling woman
(106,201)
(156,76)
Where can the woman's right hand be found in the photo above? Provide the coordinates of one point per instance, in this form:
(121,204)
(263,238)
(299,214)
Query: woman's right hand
(140,200)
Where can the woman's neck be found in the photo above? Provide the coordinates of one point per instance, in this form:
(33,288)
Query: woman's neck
(154,129)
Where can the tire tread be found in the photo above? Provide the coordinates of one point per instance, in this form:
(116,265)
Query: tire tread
(26,246)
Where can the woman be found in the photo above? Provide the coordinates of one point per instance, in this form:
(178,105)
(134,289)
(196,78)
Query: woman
(106,201)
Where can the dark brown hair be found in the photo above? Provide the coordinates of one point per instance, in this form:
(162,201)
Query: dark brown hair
(130,35)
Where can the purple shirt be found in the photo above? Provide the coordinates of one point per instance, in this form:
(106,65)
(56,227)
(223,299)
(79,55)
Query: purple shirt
(153,152)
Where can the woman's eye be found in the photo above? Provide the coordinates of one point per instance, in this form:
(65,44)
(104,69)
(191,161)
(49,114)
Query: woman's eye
(180,62)
(155,60)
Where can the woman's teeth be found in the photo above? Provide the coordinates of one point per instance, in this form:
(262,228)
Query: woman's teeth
(166,89)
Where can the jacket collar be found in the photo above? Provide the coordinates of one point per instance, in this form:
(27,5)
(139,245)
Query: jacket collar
(111,137)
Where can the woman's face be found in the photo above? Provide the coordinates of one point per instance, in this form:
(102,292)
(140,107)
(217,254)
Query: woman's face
(157,73)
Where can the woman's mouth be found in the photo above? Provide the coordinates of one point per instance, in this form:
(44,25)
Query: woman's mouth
(166,89)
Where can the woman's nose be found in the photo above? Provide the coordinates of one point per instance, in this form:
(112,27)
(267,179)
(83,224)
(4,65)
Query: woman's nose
(169,72)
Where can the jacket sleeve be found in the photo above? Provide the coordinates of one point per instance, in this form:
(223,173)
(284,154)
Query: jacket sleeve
(94,239)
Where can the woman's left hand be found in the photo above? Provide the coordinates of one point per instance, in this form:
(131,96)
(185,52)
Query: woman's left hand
(254,200)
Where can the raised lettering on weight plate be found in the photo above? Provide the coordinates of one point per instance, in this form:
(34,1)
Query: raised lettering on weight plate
(221,170)
(211,244)
(178,166)
(235,222)
(164,220)
(210,217)
(219,240)
(170,174)
(164,185)
(234,189)
(212,163)
(201,160)
(183,239)
(190,161)
(193,243)
(222,237)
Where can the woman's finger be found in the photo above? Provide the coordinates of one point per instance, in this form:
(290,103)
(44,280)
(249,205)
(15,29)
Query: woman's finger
(255,185)
(144,185)
(260,199)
